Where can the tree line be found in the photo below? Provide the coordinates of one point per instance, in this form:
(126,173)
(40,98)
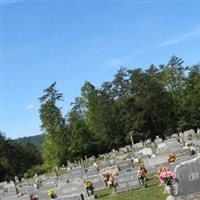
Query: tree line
(160,100)
(16,159)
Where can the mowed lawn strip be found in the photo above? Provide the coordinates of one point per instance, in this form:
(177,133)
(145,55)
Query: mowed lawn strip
(153,192)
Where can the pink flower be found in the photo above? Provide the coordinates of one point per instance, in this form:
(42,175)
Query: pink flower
(166,175)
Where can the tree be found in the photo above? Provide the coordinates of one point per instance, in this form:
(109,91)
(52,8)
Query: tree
(53,124)
(173,78)
(15,158)
(80,136)
(148,114)
(191,104)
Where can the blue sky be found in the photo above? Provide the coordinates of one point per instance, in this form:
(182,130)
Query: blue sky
(70,42)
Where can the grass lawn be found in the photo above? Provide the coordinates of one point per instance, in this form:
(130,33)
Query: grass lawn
(153,192)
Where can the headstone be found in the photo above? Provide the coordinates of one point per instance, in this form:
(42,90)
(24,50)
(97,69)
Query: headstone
(43,191)
(148,141)
(49,184)
(189,135)
(123,150)
(92,170)
(180,160)
(127,181)
(137,155)
(27,190)
(122,157)
(146,151)
(112,162)
(128,147)
(188,175)
(124,165)
(67,197)
(74,189)
(9,190)
(92,159)
(16,179)
(135,160)
(161,145)
(97,181)
(64,178)
(152,164)
(170,146)
(2,184)
(180,134)
(158,140)
(174,135)
(77,173)
(42,177)
(103,163)
(138,145)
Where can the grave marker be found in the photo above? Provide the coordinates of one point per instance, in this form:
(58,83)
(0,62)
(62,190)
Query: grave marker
(127,181)
(188,175)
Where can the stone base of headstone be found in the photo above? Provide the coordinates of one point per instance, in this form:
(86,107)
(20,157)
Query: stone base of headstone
(189,197)
(171,197)
(169,189)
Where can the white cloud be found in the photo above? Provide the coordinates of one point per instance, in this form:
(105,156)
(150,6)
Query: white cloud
(180,38)
(30,107)
(121,61)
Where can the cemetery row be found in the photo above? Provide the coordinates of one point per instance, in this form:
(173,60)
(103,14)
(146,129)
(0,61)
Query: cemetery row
(122,165)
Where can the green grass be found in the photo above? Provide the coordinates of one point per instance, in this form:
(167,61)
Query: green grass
(153,192)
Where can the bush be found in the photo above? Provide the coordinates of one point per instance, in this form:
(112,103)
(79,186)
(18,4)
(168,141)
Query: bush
(35,170)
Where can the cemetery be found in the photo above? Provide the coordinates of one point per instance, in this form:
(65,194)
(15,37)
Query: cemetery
(115,175)
(96,102)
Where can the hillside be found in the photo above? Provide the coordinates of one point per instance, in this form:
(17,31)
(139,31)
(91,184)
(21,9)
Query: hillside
(36,140)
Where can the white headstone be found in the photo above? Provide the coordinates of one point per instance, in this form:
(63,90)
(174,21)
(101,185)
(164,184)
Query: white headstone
(146,151)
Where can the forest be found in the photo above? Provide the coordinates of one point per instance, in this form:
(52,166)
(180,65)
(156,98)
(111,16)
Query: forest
(16,158)
(159,100)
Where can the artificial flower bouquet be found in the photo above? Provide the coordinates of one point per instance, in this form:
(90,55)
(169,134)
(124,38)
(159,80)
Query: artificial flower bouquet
(166,176)
(171,158)
(52,193)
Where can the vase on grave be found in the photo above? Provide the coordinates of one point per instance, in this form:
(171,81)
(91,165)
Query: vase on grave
(169,189)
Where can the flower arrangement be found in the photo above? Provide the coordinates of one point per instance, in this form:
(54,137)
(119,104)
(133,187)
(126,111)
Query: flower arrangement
(89,187)
(166,176)
(142,175)
(171,158)
(33,197)
(52,193)
(109,177)
(88,184)
(114,171)
(142,171)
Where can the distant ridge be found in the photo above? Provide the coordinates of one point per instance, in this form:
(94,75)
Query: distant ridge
(36,140)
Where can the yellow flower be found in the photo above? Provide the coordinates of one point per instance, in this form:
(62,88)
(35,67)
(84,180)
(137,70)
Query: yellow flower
(171,158)
(88,184)
(51,192)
